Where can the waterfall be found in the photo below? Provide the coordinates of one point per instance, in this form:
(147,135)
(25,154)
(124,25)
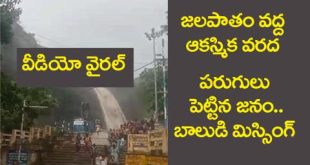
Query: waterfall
(113,114)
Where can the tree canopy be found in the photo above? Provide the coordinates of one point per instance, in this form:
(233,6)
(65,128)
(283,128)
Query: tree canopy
(145,89)
(12,97)
(9,14)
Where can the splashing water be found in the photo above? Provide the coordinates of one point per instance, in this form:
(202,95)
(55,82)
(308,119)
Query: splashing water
(113,114)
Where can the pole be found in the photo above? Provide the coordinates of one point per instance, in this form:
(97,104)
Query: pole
(21,130)
(164,81)
(22,126)
(155,76)
(152,36)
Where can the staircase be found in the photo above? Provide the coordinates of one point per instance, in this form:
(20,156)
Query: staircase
(122,158)
(67,155)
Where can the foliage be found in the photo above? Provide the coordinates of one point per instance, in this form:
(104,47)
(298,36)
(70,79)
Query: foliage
(145,89)
(12,97)
(9,14)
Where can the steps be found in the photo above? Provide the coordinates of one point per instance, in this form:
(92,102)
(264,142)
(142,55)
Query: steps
(122,158)
(67,155)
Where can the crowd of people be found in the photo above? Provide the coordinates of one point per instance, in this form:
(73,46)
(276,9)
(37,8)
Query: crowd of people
(118,137)
(118,141)
(131,127)
(85,143)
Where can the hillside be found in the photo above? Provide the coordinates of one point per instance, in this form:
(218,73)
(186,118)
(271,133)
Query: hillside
(69,98)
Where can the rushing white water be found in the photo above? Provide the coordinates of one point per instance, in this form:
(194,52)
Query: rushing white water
(113,114)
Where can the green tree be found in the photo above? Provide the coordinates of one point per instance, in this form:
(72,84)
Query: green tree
(9,14)
(12,98)
(145,90)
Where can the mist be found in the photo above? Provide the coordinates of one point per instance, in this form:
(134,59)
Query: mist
(95,23)
(87,24)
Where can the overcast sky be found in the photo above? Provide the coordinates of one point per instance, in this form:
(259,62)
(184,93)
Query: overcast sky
(95,23)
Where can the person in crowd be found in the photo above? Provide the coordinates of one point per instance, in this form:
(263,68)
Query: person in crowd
(93,150)
(69,127)
(63,127)
(114,153)
(98,159)
(118,137)
(88,142)
(15,162)
(98,127)
(78,142)
(112,160)
(104,160)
